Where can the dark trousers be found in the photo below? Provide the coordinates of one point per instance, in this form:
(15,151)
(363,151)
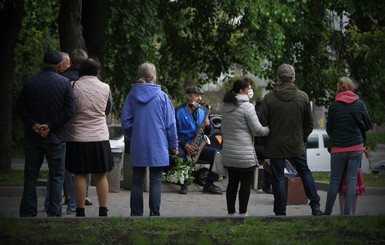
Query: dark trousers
(300,163)
(236,177)
(207,155)
(34,156)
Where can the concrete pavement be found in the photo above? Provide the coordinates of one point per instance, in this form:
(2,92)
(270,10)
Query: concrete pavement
(194,204)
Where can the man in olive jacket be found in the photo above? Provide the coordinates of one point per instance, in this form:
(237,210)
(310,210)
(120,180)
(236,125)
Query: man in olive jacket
(287,112)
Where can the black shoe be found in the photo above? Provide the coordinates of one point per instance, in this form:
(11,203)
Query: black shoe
(316,212)
(54,215)
(80,212)
(212,189)
(88,202)
(103,211)
(267,190)
(66,200)
(183,189)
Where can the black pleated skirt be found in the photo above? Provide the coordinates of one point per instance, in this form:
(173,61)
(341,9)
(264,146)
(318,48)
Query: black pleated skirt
(89,157)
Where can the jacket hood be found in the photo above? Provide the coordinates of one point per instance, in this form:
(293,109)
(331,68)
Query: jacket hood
(242,98)
(347,96)
(285,91)
(144,92)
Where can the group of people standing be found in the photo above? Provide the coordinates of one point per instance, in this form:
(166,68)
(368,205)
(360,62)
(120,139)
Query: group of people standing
(65,120)
(286,115)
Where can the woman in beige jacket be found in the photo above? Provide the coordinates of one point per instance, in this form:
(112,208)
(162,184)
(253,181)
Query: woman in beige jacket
(88,146)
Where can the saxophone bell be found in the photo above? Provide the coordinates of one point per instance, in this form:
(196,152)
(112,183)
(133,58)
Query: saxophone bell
(206,139)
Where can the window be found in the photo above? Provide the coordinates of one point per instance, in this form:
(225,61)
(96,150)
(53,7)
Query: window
(312,141)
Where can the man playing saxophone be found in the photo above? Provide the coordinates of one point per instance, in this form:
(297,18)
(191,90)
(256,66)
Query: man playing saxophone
(190,118)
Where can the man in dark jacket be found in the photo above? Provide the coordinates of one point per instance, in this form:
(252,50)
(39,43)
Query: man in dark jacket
(46,104)
(287,112)
(77,57)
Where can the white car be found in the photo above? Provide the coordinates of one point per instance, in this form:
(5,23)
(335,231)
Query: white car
(116,142)
(318,157)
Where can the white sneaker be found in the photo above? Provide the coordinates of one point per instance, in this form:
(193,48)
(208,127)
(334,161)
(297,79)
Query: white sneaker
(233,214)
(244,215)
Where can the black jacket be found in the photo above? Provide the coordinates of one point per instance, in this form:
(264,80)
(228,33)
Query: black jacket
(46,98)
(347,121)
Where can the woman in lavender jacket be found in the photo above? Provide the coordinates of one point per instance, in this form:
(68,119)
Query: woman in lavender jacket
(148,122)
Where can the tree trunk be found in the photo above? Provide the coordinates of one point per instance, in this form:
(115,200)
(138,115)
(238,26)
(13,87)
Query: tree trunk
(11,16)
(94,27)
(70,25)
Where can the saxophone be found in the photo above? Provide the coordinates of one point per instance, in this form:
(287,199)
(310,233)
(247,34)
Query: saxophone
(193,158)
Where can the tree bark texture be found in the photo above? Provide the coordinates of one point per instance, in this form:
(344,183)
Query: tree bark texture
(94,16)
(11,16)
(70,25)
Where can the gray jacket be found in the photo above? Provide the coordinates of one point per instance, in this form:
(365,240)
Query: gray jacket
(239,126)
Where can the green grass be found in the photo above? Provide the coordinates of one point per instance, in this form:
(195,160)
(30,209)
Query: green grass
(370,180)
(251,230)
(16,177)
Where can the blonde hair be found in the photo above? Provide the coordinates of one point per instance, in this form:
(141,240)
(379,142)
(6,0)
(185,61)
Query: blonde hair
(345,83)
(146,73)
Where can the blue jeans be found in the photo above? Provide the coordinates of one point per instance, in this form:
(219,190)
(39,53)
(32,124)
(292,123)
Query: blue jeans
(34,155)
(69,186)
(136,201)
(278,182)
(338,161)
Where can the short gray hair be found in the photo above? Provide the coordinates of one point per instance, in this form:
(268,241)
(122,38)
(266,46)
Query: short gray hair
(286,73)
(78,56)
(147,73)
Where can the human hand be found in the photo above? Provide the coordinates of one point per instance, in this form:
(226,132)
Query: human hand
(41,129)
(44,130)
(191,150)
(175,151)
(207,122)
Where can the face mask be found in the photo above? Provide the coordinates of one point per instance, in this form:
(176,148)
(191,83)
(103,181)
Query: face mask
(195,104)
(250,94)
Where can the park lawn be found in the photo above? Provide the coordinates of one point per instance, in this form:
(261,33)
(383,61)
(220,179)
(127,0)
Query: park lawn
(250,230)
(370,180)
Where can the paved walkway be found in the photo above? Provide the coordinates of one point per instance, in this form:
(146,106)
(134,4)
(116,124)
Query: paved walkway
(194,204)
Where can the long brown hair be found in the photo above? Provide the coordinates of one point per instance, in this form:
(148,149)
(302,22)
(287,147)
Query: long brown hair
(241,83)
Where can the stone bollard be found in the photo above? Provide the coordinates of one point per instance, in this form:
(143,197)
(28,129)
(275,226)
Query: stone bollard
(127,172)
(113,176)
(127,175)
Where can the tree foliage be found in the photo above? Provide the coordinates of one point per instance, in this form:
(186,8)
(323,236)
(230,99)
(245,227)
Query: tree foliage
(368,48)
(204,39)
(132,34)
(195,42)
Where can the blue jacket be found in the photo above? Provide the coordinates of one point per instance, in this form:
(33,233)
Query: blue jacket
(148,122)
(46,98)
(187,124)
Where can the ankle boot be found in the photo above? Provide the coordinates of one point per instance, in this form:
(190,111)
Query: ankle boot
(103,211)
(80,212)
